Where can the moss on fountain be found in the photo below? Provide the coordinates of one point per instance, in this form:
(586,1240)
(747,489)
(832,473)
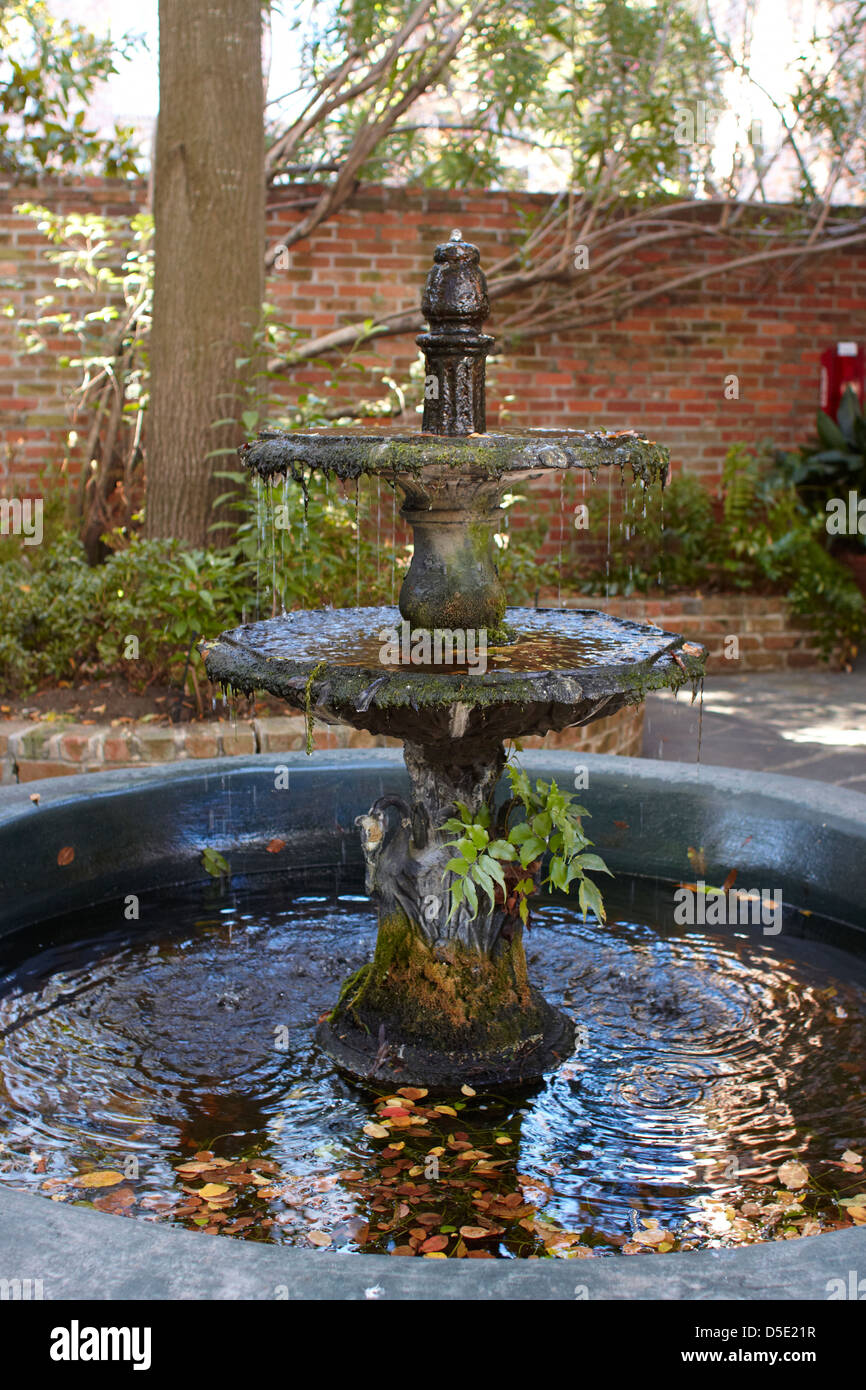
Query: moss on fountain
(443,1014)
(408,703)
(348,456)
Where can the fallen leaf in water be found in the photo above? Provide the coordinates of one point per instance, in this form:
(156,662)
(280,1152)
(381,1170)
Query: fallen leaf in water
(65,856)
(240,1224)
(467,1091)
(433,1245)
(105,1177)
(793,1175)
(698,860)
(274,846)
(849,1156)
(212,1189)
(116,1201)
(318,1238)
(376,1131)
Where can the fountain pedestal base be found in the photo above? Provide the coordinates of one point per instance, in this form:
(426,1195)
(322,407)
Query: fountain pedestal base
(382,1061)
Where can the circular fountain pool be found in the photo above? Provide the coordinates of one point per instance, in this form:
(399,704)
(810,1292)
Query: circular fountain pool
(708,1059)
(180,1060)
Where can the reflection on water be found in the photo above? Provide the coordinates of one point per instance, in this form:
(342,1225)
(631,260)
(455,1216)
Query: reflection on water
(546,639)
(706,1062)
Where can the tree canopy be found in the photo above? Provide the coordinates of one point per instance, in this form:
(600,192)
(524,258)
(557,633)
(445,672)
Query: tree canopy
(49,70)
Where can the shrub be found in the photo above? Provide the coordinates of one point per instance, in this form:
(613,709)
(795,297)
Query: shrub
(63,619)
(759,535)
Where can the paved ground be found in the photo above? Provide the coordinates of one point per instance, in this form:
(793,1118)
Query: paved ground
(807,724)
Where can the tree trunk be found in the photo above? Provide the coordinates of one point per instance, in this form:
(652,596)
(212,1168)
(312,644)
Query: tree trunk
(209,212)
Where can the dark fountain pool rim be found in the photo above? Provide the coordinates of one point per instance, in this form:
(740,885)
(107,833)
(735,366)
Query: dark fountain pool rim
(138,830)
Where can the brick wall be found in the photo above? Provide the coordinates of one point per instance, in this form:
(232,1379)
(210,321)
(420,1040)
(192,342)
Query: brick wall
(661,370)
(30,750)
(769,637)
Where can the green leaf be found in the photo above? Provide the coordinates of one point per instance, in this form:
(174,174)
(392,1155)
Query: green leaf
(519,832)
(215,863)
(471,896)
(593,862)
(590,900)
(531,849)
(486,882)
(490,866)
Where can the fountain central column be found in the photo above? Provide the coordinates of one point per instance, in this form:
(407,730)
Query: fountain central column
(453,581)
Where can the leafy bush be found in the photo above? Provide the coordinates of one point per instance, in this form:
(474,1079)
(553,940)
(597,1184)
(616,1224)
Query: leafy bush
(63,618)
(759,535)
(832,466)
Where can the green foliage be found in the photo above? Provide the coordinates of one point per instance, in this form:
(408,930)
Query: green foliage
(504,863)
(102,306)
(662,540)
(49,70)
(760,535)
(835,463)
(577,83)
(63,618)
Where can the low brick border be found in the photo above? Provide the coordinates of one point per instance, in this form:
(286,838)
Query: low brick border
(31,749)
(770,637)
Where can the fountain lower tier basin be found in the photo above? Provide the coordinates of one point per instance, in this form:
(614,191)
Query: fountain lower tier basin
(367,667)
(94,842)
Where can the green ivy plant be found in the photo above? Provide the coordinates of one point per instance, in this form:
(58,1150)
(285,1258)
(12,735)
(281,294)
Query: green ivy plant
(505,861)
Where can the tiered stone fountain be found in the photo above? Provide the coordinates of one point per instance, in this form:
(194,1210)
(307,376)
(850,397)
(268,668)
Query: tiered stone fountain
(447,997)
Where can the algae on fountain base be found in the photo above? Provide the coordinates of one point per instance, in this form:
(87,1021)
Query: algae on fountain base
(443,1015)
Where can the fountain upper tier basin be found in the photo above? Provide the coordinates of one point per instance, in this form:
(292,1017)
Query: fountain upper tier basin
(403,454)
(566,667)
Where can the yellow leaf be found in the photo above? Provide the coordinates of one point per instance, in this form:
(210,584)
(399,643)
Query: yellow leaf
(212,1189)
(318,1238)
(376,1131)
(106,1177)
(444,1110)
(467,1091)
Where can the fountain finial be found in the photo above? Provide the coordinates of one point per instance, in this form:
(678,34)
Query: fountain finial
(455,305)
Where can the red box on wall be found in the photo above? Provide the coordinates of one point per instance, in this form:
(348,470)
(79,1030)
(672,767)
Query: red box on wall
(841,366)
